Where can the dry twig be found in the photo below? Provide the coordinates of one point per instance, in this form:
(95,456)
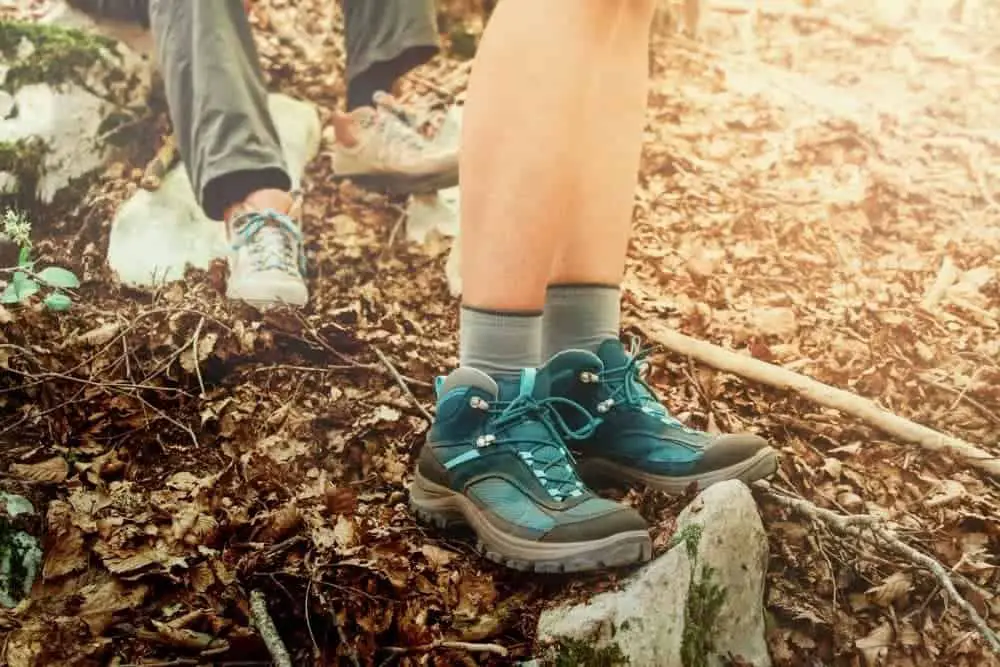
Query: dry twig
(471,647)
(823,394)
(269,633)
(870,529)
(401,382)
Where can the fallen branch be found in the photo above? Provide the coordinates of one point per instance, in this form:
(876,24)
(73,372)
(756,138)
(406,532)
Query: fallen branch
(872,530)
(471,647)
(831,397)
(402,383)
(262,621)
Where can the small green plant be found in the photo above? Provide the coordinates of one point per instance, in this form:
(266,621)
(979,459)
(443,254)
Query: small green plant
(25,282)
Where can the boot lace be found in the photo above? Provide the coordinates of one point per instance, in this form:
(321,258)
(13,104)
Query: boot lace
(547,457)
(271,240)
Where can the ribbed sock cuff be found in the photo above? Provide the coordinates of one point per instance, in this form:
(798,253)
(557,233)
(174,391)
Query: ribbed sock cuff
(500,343)
(580,317)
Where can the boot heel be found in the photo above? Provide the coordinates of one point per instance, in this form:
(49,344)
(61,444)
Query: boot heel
(434,504)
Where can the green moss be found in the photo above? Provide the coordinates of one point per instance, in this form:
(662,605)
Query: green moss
(57,55)
(704,602)
(690,537)
(19,553)
(575,653)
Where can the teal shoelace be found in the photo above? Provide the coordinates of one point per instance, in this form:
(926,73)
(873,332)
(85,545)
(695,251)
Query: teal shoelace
(548,458)
(630,390)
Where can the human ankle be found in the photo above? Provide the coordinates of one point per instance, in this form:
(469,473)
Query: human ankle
(345,127)
(260,200)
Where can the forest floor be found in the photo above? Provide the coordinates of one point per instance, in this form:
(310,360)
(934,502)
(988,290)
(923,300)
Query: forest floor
(820,189)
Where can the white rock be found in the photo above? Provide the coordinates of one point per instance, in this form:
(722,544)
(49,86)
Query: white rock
(155,235)
(646,621)
(439,212)
(68,117)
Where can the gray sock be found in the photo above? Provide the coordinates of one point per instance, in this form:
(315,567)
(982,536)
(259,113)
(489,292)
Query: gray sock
(580,317)
(500,343)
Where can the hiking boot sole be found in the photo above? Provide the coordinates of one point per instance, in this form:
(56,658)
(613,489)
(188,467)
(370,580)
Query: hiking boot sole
(445,508)
(266,294)
(398,184)
(762,464)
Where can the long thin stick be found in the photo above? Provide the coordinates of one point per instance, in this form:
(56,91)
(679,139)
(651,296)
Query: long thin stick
(831,397)
(269,633)
(401,382)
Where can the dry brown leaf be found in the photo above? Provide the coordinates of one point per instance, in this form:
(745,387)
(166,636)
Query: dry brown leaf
(102,335)
(102,601)
(344,532)
(436,556)
(64,553)
(340,500)
(134,562)
(778,322)
(206,345)
(182,637)
(202,577)
(894,588)
(281,523)
(51,471)
(183,481)
(875,646)
(947,493)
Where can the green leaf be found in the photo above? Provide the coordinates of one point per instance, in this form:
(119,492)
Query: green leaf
(58,301)
(57,277)
(23,285)
(24,257)
(9,294)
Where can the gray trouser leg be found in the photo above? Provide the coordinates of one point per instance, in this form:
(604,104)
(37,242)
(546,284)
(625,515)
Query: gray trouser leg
(217,99)
(378,31)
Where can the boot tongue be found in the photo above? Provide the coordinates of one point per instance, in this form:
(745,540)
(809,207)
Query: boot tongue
(523,385)
(613,354)
(559,367)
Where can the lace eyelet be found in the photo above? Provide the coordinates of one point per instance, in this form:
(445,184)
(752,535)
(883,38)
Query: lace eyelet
(478,403)
(589,377)
(485,440)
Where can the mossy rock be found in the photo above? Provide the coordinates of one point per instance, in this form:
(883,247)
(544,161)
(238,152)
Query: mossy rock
(64,93)
(20,554)
(49,54)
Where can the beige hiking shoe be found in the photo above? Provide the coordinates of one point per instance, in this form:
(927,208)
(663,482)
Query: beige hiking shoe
(391,156)
(267,263)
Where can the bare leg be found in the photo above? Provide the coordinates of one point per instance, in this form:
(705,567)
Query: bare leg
(550,144)
(594,247)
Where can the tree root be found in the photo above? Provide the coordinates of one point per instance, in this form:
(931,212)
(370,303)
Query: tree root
(873,531)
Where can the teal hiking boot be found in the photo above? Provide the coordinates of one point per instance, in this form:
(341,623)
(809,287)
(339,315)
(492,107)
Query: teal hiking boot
(639,441)
(495,460)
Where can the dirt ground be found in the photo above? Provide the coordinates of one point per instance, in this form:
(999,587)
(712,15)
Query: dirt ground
(820,188)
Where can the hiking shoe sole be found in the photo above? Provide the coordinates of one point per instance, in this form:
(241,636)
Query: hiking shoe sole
(396,184)
(445,508)
(763,463)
